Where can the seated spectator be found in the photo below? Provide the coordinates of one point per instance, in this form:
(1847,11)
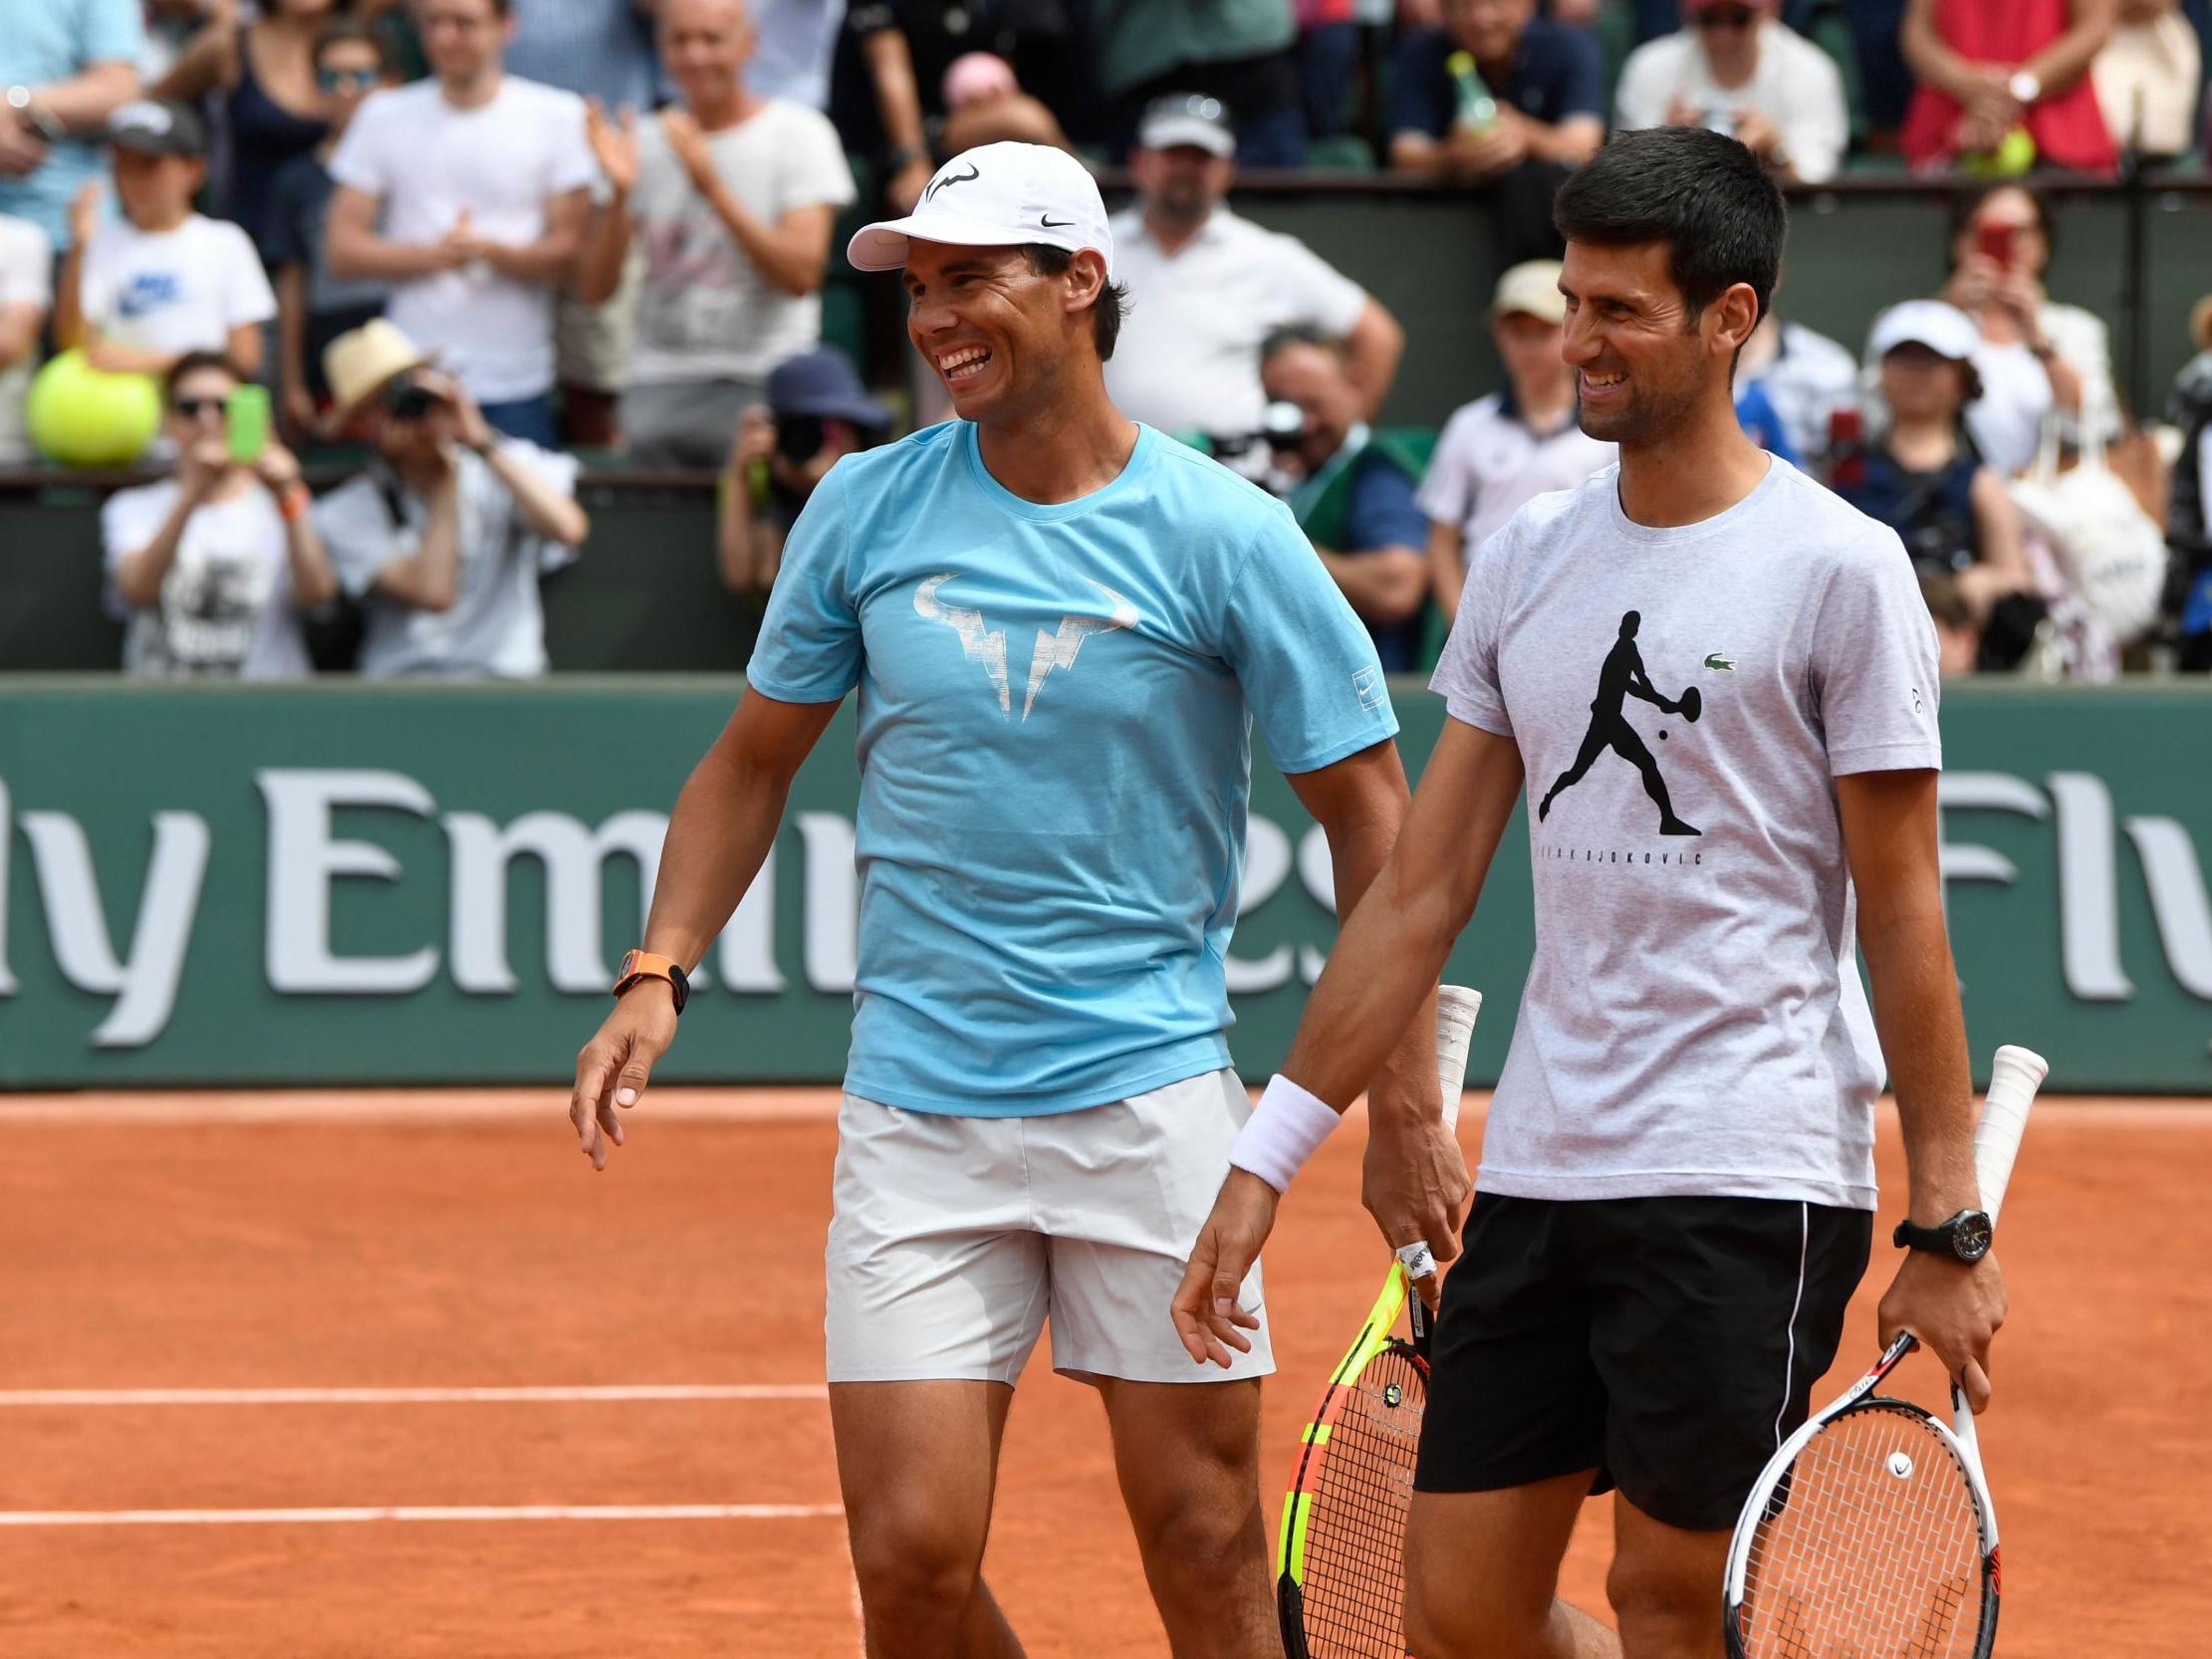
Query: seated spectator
(2147,79)
(1805,375)
(139,295)
(214,563)
(1241,53)
(26,293)
(1921,478)
(474,253)
(893,87)
(261,74)
(1958,637)
(733,196)
(1993,68)
(314,307)
(2037,354)
(74,64)
(445,536)
(1353,496)
(1531,105)
(2189,523)
(1740,70)
(1502,451)
(1207,287)
(818,414)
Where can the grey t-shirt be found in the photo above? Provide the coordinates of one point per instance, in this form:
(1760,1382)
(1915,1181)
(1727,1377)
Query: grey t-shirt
(496,626)
(1693,1021)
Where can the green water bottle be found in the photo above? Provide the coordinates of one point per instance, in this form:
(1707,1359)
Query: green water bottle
(1478,110)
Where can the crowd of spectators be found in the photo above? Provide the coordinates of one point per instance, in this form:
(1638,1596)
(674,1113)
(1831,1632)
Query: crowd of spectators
(466,240)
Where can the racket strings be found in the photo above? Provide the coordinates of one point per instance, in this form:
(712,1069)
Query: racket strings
(1871,1549)
(1360,1492)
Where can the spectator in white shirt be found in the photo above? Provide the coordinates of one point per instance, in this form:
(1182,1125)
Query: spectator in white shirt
(1740,70)
(213,565)
(733,196)
(481,183)
(1501,452)
(443,540)
(26,292)
(1207,288)
(139,295)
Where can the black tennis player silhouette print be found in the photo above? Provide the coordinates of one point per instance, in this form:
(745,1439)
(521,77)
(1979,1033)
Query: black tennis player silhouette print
(1623,677)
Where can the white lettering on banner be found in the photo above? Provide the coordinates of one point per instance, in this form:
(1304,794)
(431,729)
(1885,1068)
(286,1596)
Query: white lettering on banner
(746,957)
(575,858)
(303,860)
(2177,899)
(1994,792)
(7,979)
(1317,868)
(2088,897)
(833,916)
(145,984)
(1267,864)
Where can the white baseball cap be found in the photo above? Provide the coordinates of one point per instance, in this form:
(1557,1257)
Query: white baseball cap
(1942,328)
(994,197)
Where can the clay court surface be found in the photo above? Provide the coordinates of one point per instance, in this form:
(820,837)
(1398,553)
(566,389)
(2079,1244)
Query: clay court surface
(214,1247)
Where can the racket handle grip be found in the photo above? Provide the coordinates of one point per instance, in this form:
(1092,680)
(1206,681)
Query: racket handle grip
(1456,1008)
(2014,1077)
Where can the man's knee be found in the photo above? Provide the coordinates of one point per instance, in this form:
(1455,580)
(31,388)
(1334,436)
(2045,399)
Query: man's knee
(1459,1617)
(1667,1607)
(913,1562)
(1204,1542)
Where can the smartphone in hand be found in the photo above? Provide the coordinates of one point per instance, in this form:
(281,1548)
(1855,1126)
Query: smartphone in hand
(246,413)
(1997,243)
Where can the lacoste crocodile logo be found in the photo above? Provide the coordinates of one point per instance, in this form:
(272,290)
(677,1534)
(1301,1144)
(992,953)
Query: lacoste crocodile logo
(1720,660)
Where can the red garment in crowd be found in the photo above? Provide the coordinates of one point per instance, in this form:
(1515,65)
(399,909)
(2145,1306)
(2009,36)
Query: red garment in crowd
(2067,128)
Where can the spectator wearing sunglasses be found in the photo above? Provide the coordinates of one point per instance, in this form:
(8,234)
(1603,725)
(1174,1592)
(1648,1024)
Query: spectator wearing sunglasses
(1739,68)
(213,565)
(314,307)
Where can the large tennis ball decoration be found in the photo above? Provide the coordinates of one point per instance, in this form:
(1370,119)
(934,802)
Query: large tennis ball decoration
(2009,161)
(82,416)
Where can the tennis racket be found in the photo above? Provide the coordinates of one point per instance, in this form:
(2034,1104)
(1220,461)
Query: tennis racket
(1869,1534)
(1337,1561)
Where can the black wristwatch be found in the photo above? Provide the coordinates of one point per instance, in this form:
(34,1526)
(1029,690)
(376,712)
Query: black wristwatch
(1966,1236)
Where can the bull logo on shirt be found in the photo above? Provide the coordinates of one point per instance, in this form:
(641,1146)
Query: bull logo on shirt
(982,643)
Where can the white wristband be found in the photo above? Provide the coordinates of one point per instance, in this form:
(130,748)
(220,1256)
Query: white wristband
(1282,1133)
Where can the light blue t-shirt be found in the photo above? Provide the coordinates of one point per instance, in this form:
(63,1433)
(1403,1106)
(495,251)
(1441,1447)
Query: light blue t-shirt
(1055,746)
(45,41)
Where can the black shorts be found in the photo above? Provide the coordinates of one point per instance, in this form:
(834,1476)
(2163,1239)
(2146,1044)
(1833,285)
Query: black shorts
(1669,1343)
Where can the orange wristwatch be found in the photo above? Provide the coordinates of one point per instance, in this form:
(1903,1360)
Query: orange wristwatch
(640,965)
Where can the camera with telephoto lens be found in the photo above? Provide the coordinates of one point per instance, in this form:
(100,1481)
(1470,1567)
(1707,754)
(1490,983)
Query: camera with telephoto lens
(799,438)
(1281,429)
(407,399)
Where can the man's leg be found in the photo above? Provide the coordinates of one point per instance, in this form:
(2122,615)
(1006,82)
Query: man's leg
(1631,748)
(1665,1588)
(917,1462)
(1188,1456)
(1482,1575)
(1594,743)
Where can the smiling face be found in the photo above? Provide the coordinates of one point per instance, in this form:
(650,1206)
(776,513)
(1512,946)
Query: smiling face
(1002,338)
(1642,361)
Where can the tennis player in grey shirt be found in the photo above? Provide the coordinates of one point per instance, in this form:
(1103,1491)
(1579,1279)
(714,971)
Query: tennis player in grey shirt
(1719,685)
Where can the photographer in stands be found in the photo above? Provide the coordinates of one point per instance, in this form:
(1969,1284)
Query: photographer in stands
(818,412)
(214,563)
(1353,492)
(444,538)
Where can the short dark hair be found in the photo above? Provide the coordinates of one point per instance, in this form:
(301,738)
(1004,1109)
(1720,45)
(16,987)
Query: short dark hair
(191,364)
(1703,194)
(1300,333)
(347,31)
(1106,310)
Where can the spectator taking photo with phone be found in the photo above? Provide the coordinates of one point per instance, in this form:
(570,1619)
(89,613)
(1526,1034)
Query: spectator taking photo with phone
(213,565)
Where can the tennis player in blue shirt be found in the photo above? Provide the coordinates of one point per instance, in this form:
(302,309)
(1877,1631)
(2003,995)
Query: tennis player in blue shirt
(1062,626)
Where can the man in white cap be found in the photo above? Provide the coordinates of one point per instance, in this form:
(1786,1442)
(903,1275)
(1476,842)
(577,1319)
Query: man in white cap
(1208,286)
(1062,625)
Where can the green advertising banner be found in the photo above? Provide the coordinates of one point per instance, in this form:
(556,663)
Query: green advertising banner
(349,885)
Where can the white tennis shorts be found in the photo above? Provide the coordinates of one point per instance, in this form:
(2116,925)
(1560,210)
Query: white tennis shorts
(955,1239)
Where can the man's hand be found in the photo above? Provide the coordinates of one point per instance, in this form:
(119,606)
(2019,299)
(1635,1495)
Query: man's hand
(1207,1316)
(754,440)
(612,1070)
(1758,134)
(907,185)
(84,213)
(1415,1185)
(201,466)
(277,468)
(614,144)
(1499,147)
(1954,1307)
(22,152)
(461,245)
(689,146)
(466,420)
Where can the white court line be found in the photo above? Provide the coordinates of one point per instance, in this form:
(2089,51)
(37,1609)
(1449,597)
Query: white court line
(411,1396)
(418,1512)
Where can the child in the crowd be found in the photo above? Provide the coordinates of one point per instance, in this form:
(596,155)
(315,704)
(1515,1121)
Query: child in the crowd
(141,294)
(313,307)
